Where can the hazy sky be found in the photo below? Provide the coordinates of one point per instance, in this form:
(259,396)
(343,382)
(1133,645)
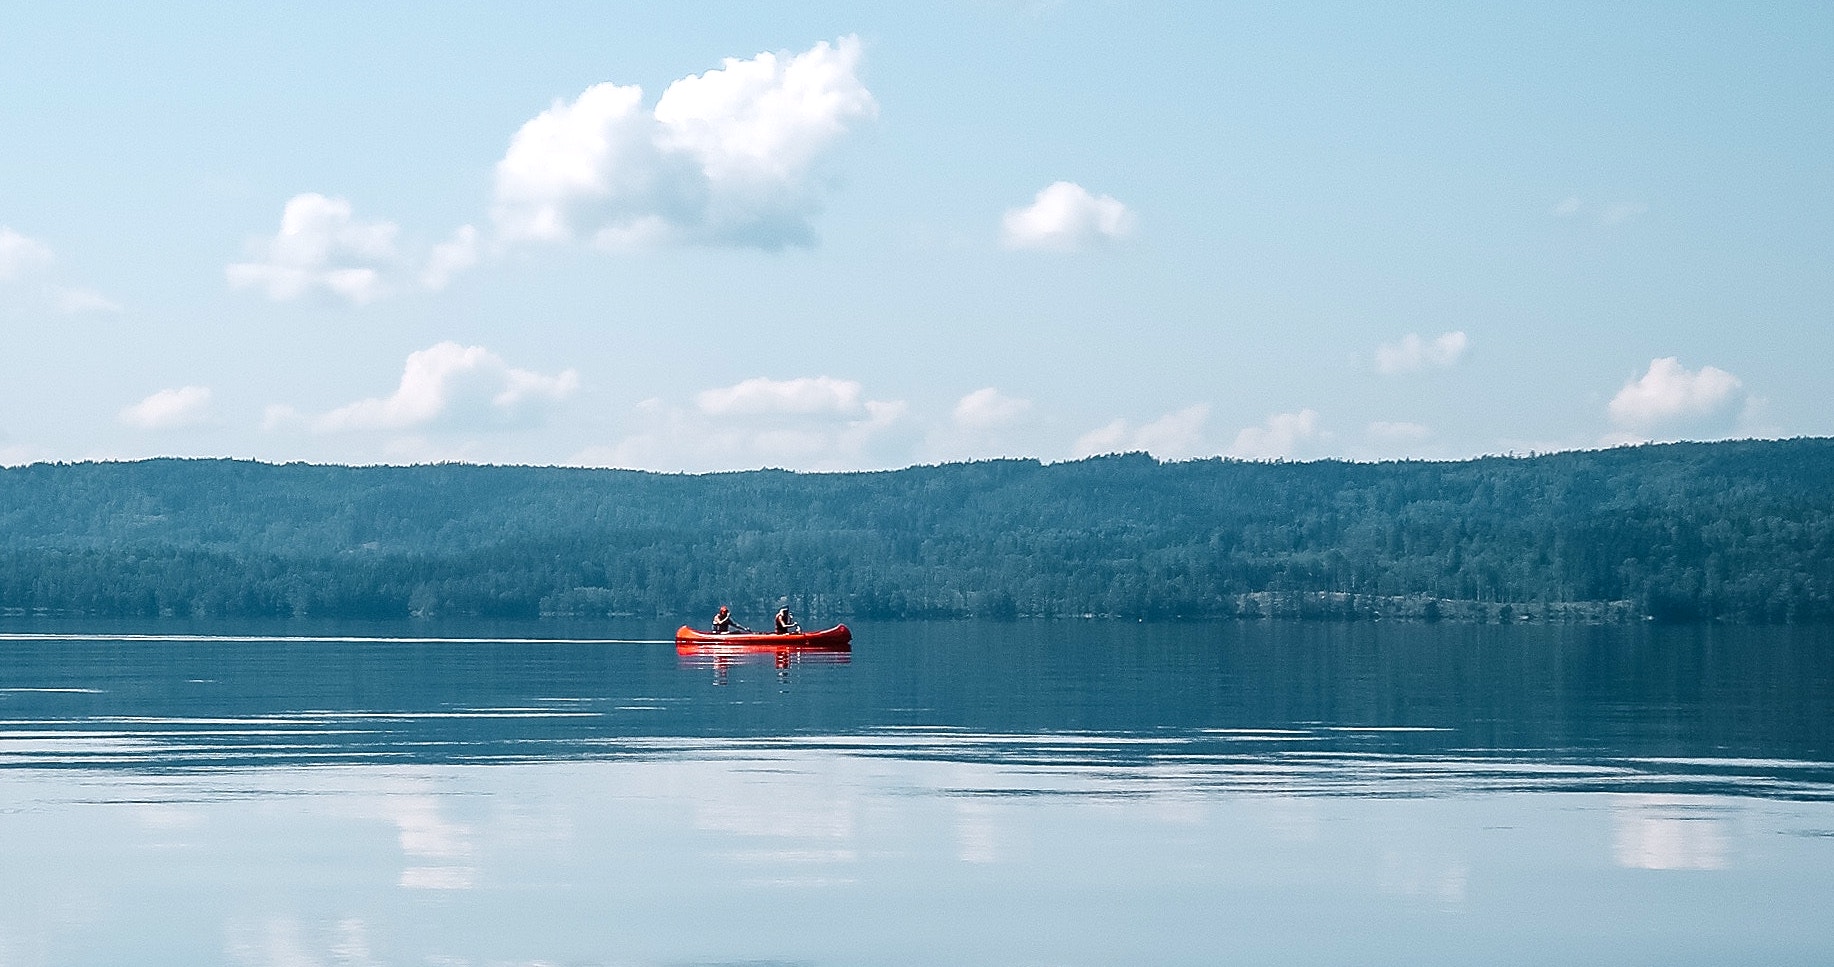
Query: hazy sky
(833,236)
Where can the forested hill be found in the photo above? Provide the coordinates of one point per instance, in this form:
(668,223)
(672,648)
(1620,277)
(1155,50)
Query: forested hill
(1738,530)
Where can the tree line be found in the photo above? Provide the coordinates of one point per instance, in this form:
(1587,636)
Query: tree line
(1740,530)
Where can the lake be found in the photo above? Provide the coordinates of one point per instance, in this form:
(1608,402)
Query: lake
(1032,793)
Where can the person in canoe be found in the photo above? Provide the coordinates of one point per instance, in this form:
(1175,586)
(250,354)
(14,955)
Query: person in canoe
(786,622)
(724,625)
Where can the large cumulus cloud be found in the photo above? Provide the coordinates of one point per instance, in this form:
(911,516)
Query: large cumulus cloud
(724,157)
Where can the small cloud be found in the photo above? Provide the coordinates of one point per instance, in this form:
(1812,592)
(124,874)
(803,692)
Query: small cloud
(803,396)
(725,157)
(73,301)
(984,423)
(1670,397)
(448,385)
(13,454)
(320,245)
(1283,435)
(1414,354)
(278,416)
(25,259)
(985,409)
(1065,217)
(323,247)
(1755,421)
(807,423)
(449,258)
(1393,440)
(21,255)
(1178,435)
(169,409)
(1399,432)
(1111,437)
(1614,213)
(1621,212)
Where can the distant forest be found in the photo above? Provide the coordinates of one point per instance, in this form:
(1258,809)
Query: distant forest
(1740,531)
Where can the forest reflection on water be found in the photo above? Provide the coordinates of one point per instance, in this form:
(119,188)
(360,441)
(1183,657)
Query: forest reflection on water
(1076,792)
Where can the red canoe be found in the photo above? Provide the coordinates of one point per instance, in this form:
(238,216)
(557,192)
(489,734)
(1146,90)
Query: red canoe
(837,638)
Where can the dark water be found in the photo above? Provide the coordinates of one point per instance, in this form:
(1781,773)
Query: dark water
(1030,793)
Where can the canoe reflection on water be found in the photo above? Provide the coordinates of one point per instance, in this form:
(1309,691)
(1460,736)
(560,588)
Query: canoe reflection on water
(698,649)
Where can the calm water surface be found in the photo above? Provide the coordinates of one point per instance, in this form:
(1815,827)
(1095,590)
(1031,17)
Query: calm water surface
(964,794)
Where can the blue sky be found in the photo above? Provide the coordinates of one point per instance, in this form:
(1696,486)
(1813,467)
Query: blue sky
(730,235)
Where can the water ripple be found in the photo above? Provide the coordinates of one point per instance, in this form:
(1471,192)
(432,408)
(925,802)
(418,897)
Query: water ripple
(1313,761)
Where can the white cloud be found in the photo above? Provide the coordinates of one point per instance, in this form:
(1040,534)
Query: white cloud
(1413,354)
(724,157)
(1755,420)
(985,409)
(448,385)
(323,246)
(24,259)
(1283,435)
(808,423)
(1064,217)
(1400,432)
(21,255)
(71,301)
(1177,435)
(170,409)
(590,149)
(1620,212)
(727,157)
(320,245)
(1670,396)
(17,455)
(449,258)
(1111,437)
(277,416)
(764,120)
(1394,440)
(803,396)
(982,424)
(1613,213)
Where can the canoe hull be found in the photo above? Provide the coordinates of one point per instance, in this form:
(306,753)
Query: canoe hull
(837,638)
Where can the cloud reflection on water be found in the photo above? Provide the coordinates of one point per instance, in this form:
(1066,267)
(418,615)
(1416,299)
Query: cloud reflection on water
(436,845)
(690,856)
(1668,833)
